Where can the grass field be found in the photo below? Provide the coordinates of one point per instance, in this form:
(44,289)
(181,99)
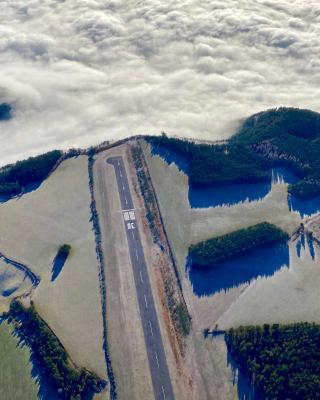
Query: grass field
(13,283)
(186,226)
(16,382)
(36,225)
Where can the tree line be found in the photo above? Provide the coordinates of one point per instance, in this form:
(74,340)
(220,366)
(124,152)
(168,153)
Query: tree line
(281,361)
(210,252)
(14,178)
(216,164)
(71,382)
(285,136)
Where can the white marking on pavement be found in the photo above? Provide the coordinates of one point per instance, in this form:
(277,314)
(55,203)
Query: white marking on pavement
(157,359)
(133,234)
(126,199)
(126,216)
(145,300)
(123,188)
(137,255)
(151,328)
(163,392)
(141,277)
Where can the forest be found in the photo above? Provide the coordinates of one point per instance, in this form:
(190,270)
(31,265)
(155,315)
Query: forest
(206,254)
(72,383)
(14,178)
(277,122)
(287,137)
(217,164)
(281,361)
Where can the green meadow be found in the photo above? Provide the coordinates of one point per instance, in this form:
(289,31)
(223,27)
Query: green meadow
(15,368)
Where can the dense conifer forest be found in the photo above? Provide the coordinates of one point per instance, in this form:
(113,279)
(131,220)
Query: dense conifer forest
(72,383)
(281,361)
(217,164)
(210,252)
(16,177)
(287,137)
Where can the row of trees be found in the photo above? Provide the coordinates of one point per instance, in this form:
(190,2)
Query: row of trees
(206,254)
(177,308)
(281,361)
(72,383)
(102,276)
(148,195)
(16,177)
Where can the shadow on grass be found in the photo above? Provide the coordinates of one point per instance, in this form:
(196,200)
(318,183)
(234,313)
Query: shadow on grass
(57,265)
(264,262)
(245,390)
(32,187)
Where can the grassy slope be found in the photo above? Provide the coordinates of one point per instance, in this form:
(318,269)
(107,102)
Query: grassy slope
(58,212)
(16,382)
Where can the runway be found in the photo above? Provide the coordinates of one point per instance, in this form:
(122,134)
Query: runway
(161,381)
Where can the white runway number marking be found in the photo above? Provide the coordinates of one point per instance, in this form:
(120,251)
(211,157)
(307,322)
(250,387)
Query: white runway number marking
(131,225)
(129,216)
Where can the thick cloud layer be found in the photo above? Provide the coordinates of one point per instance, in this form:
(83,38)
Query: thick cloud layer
(80,72)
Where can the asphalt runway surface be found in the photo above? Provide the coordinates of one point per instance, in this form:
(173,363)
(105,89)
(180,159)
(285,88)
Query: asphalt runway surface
(161,381)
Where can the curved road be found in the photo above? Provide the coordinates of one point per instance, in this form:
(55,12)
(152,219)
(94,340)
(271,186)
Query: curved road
(161,382)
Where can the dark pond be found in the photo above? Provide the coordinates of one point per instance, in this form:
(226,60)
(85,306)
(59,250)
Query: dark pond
(232,194)
(224,276)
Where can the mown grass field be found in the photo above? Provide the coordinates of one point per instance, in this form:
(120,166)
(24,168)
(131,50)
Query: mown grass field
(16,382)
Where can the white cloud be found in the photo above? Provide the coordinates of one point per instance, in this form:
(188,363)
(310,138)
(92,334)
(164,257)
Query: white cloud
(83,71)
